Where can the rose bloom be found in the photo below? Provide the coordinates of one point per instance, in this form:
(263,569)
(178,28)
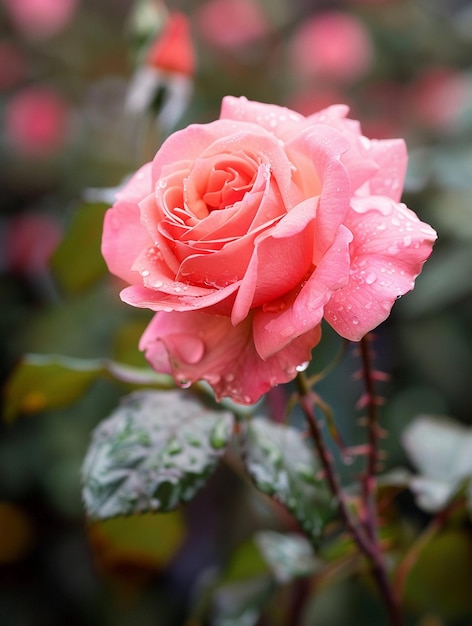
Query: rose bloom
(245,232)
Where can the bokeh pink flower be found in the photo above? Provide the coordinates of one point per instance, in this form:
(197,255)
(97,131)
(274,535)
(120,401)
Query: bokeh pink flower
(36,121)
(231,24)
(331,45)
(38,19)
(244,233)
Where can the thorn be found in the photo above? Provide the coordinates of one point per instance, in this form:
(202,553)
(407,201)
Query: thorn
(383,376)
(358,450)
(363,401)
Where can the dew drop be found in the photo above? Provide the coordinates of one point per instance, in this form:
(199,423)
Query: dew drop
(370,278)
(303,366)
(162,183)
(219,435)
(355,321)
(184,383)
(157,284)
(407,241)
(173,447)
(145,273)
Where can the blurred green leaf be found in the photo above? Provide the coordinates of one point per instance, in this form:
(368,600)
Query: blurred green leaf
(441,450)
(44,382)
(153,539)
(47,382)
(282,464)
(289,556)
(246,562)
(439,582)
(78,263)
(154,452)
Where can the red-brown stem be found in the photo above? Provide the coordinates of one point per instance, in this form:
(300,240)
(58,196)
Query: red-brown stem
(367,544)
(369,485)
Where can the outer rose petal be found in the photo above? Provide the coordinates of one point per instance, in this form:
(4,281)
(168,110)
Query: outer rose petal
(197,346)
(123,237)
(280,121)
(389,248)
(278,323)
(282,257)
(391,158)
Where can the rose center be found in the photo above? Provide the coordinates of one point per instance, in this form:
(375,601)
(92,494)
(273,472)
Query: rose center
(222,183)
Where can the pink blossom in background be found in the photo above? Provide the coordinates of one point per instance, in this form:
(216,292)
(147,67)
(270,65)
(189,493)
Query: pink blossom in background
(30,240)
(243,234)
(35,121)
(13,67)
(439,96)
(331,45)
(39,19)
(231,24)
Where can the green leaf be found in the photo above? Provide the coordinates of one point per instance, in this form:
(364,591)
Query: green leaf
(154,452)
(153,538)
(289,556)
(282,464)
(441,450)
(40,383)
(46,382)
(439,581)
(77,263)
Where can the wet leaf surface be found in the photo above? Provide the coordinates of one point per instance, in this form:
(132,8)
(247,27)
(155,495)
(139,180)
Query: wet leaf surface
(154,452)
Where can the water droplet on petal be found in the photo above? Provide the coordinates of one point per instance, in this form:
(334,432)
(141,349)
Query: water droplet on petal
(145,273)
(184,383)
(303,366)
(370,278)
(355,321)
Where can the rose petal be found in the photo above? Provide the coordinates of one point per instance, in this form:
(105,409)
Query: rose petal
(389,248)
(221,354)
(317,153)
(220,300)
(391,157)
(279,120)
(278,323)
(124,237)
(282,257)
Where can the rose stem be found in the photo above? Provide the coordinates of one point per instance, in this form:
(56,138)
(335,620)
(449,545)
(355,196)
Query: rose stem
(369,546)
(369,485)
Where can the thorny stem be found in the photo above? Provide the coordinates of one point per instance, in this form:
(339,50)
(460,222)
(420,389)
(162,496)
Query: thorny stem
(367,543)
(369,483)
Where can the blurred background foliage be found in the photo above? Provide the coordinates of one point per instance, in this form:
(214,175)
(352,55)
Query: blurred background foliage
(67,68)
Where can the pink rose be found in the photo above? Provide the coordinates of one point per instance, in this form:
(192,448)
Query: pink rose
(244,233)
